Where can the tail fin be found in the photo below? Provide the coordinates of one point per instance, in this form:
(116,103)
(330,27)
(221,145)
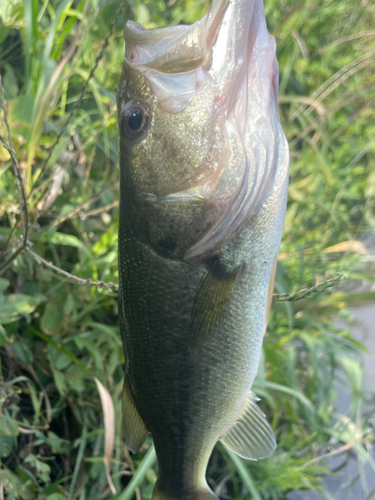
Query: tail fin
(202,494)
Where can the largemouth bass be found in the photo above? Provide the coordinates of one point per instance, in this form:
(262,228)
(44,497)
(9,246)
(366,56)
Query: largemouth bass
(204,174)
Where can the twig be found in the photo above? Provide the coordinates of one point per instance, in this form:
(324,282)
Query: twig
(99,210)
(79,100)
(20,185)
(26,431)
(74,279)
(306,292)
(75,211)
(301,294)
(342,449)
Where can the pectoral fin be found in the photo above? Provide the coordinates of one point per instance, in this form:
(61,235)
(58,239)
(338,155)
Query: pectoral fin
(135,430)
(251,436)
(270,288)
(212,298)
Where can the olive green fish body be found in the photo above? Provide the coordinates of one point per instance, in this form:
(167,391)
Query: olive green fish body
(203,195)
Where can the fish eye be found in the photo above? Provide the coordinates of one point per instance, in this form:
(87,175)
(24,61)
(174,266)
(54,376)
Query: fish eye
(135,119)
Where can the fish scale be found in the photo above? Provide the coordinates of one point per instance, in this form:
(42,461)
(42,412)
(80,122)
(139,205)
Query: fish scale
(204,176)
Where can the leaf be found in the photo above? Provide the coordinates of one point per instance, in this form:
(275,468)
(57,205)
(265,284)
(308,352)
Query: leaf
(59,360)
(3,336)
(8,433)
(42,470)
(60,381)
(11,483)
(75,378)
(3,32)
(9,83)
(109,427)
(60,348)
(53,491)
(6,446)
(298,395)
(64,239)
(19,115)
(3,285)
(57,444)
(244,472)
(12,306)
(97,353)
(81,450)
(56,496)
(147,462)
(23,353)
(53,315)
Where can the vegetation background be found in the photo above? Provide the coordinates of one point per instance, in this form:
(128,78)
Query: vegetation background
(60,62)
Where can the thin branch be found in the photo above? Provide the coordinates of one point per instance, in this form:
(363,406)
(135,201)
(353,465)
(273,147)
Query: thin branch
(306,292)
(99,210)
(8,262)
(75,211)
(79,100)
(301,294)
(338,451)
(20,185)
(26,431)
(71,277)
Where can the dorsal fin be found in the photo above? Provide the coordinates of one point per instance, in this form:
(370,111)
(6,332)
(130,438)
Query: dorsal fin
(251,436)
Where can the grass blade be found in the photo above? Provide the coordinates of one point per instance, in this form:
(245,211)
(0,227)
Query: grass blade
(81,451)
(298,395)
(244,474)
(147,462)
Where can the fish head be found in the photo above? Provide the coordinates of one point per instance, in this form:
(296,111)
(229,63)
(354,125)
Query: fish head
(166,109)
(199,124)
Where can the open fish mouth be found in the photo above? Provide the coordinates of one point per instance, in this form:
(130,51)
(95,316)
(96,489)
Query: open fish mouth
(230,52)
(175,60)
(218,48)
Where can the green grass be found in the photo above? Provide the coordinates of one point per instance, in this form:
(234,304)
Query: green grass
(57,337)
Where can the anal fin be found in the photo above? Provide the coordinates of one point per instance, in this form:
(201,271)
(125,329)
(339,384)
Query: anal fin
(251,436)
(135,430)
